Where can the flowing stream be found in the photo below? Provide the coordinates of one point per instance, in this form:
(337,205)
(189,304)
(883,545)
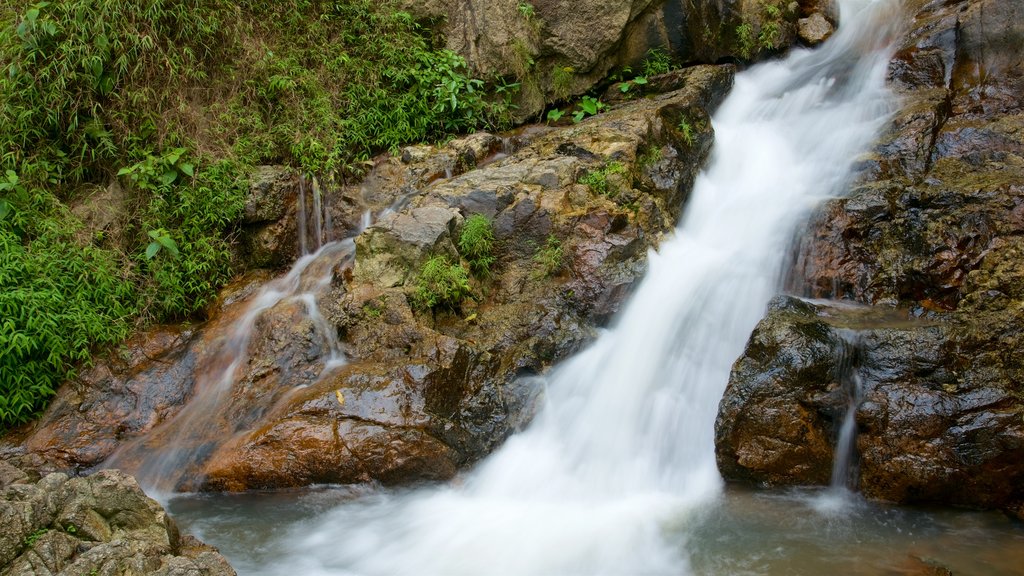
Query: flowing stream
(616,476)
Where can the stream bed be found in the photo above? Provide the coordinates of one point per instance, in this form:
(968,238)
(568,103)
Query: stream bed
(766,533)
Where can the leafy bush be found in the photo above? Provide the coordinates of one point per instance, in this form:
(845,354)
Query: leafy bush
(476,244)
(441,284)
(57,299)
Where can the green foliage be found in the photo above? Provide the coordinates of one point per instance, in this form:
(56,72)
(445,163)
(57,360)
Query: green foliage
(476,244)
(57,299)
(527,11)
(34,537)
(626,86)
(657,61)
(745,39)
(554,115)
(549,258)
(686,130)
(326,84)
(587,106)
(768,37)
(193,220)
(598,180)
(441,284)
(561,81)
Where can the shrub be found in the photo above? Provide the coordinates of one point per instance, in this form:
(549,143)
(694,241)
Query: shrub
(476,244)
(57,299)
(441,284)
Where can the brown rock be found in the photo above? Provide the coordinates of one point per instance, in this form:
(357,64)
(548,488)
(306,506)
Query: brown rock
(814,29)
(941,418)
(99,524)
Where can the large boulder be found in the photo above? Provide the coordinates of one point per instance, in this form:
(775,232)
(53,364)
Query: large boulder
(933,227)
(99,524)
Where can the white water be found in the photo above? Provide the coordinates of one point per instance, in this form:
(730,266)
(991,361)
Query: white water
(617,465)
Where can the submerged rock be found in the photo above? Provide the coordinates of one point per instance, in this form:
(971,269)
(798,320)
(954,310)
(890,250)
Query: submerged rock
(99,524)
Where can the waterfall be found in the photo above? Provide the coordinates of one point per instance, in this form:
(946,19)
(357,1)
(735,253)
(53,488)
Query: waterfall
(621,457)
(171,456)
(844,468)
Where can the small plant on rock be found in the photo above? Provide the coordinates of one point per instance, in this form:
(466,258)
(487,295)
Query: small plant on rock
(745,39)
(597,180)
(657,62)
(561,81)
(686,129)
(476,244)
(588,106)
(441,284)
(628,85)
(550,258)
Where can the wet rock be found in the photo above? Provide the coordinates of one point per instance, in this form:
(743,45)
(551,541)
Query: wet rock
(942,185)
(401,242)
(99,524)
(814,29)
(933,226)
(941,418)
(271,191)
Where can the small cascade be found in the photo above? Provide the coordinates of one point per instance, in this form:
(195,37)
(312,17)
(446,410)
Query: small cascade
(844,461)
(315,228)
(171,456)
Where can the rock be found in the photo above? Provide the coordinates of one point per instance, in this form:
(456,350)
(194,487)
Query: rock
(98,524)
(557,49)
(103,213)
(271,191)
(389,251)
(814,29)
(941,420)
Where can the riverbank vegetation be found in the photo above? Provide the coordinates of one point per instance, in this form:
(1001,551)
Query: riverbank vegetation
(173,102)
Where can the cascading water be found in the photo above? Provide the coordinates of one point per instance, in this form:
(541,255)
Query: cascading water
(621,457)
(844,469)
(170,457)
